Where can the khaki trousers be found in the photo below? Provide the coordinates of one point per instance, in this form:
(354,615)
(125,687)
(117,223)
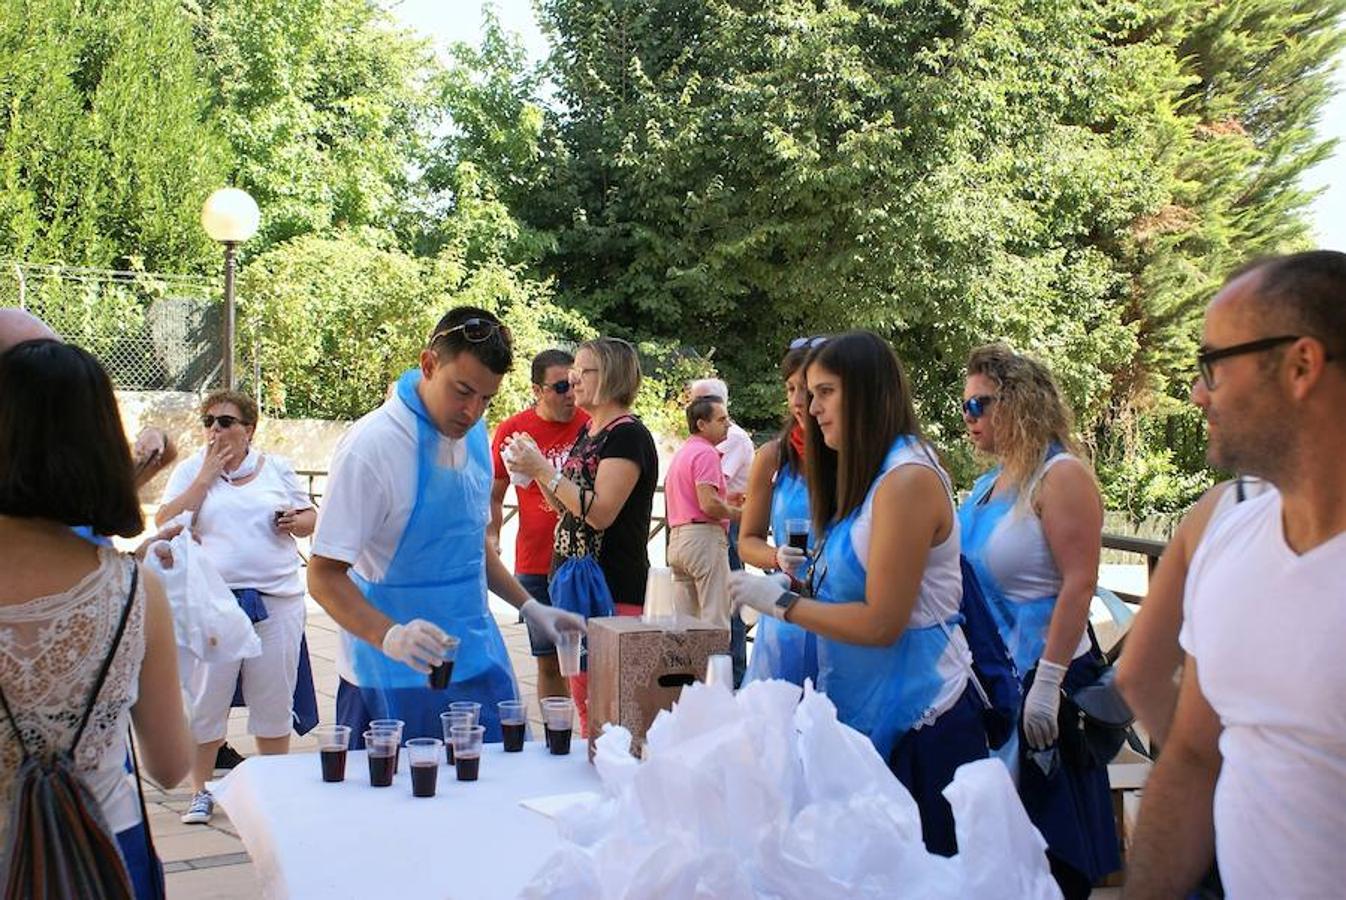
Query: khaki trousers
(698,553)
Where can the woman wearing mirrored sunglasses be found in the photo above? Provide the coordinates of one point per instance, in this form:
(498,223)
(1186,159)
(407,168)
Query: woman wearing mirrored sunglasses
(1032,528)
(885,588)
(247,508)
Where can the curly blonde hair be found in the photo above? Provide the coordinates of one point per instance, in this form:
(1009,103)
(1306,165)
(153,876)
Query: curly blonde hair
(1030,413)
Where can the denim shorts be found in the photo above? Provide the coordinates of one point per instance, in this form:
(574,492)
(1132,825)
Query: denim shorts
(536,586)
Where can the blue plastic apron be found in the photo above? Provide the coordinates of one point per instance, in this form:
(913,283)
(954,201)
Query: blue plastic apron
(1072,808)
(779,649)
(1022,623)
(437,573)
(881,692)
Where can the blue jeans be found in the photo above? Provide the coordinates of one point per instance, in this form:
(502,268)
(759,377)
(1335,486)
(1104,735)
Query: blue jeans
(536,585)
(738,632)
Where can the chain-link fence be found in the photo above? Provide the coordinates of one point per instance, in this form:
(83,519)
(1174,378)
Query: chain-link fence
(151,331)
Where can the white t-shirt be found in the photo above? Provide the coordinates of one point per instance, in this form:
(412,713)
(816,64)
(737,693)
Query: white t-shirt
(371,489)
(1265,626)
(236,524)
(736,452)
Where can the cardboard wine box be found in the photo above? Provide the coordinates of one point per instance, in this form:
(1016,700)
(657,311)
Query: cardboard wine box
(637,669)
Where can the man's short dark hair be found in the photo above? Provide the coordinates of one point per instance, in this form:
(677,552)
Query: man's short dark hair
(1305,294)
(455,331)
(702,409)
(548,358)
(63,453)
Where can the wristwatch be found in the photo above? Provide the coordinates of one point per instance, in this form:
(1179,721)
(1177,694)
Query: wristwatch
(555,480)
(784,602)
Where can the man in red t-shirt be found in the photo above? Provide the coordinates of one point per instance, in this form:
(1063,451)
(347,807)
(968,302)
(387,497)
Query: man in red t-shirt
(554,423)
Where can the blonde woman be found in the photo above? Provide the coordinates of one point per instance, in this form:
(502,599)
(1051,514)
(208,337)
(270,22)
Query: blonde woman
(605,490)
(1031,529)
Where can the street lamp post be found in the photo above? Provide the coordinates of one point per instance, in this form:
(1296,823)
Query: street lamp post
(229,216)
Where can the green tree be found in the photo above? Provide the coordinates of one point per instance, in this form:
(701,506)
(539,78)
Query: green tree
(106,148)
(332,321)
(1071,176)
(323,103)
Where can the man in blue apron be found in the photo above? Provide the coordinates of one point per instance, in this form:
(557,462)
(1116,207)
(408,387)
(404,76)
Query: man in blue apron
(400,557)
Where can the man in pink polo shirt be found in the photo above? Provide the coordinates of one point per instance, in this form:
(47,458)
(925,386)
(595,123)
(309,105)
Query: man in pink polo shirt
(699,516)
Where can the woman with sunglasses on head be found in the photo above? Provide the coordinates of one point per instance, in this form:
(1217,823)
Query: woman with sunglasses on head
(778,496)
(886,585)
(247,508)
(68,605)
(1032,528)
(605,489)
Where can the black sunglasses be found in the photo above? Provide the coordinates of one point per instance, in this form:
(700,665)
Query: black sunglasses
(800,343)
(475,330)
(560,387)
(975,407)
(225,422)
(1206,359)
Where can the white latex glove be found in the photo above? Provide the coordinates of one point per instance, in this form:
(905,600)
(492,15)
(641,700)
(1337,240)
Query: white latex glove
(419,644)
(551,620)
(1041,705)
(758,592)
(791,560)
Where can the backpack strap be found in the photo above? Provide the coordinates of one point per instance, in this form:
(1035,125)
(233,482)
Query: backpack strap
(107,660)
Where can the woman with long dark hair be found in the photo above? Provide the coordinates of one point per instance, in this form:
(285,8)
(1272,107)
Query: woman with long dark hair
(777,496)
(884,592)
(67,603)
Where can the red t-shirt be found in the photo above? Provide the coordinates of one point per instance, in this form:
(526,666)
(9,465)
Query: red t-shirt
(537,520)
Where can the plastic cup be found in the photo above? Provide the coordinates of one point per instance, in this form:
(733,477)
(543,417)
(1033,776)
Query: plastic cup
(513,724)
(381,747)
(559,714)
(423,757)
(797,533)
(659,606)
(720,670)
(446,722)
(395,726)
(442,672)
(568,646)
(467,750)
(467,706)
(333,740)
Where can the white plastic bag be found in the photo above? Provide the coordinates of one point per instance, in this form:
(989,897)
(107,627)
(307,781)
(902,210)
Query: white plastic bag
(760,794)
(987,813)
(207,620)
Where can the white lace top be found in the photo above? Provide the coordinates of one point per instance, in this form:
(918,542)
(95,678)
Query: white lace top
(51,649)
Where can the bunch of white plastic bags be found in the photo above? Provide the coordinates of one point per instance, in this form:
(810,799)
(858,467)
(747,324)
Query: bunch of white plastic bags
(207,621)
(760,794)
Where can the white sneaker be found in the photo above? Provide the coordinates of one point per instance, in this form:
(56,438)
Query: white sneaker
(202,808)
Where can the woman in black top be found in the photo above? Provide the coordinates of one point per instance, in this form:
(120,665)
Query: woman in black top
(608,479)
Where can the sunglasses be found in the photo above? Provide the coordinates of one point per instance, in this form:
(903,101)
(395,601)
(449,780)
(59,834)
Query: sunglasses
(560,387)
(225,422)
(1206,359)
(975,407)
(800,343)
(475,330)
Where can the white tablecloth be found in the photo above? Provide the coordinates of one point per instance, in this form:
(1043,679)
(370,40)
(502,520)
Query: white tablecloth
(472,840)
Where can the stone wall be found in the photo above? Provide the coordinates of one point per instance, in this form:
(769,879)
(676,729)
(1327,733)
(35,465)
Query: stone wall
(307,443)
